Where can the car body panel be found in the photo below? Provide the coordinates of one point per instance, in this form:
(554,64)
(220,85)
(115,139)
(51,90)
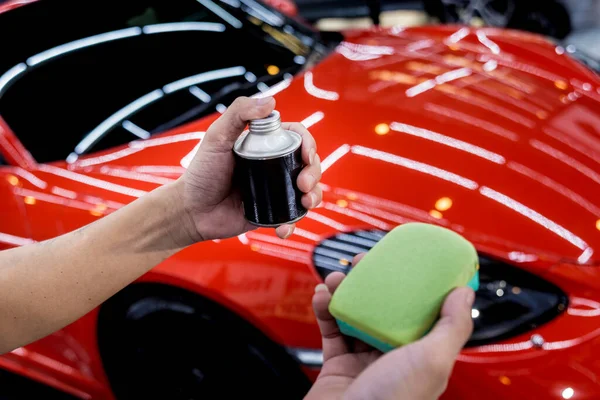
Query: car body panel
(402,118)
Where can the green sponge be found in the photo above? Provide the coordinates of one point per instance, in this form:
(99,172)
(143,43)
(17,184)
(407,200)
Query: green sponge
(394,296)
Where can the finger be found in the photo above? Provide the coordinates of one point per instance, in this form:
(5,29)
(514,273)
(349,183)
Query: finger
(285,231)
(310,175)
(357,258)
(223,133)
(333,280)
(313,198)
(309,146)
(455,326)
(361,347)
(334,343)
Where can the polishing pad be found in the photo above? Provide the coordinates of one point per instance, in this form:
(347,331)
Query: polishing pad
(395,294)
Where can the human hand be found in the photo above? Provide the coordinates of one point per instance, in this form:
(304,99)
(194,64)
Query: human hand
(213,205)
(418,371)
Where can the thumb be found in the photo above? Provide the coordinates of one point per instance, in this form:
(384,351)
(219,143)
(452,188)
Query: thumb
(223,133)
(455,326)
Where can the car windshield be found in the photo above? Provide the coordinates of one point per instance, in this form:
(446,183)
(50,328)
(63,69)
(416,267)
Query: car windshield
(83,76)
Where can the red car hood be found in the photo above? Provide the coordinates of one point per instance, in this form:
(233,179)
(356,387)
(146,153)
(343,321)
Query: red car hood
(468,129)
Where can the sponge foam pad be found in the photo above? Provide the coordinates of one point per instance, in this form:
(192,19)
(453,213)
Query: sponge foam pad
(394,296)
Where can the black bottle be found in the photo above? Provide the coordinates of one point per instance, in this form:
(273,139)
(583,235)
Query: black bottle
(268,162)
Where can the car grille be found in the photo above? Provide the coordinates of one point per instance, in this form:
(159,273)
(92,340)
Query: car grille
(510,301)
(336,253)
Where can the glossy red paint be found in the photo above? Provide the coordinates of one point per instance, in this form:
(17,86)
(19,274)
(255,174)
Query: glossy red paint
(496,121)
(285,6)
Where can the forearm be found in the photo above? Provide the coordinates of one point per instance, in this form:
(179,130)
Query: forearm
(46,286)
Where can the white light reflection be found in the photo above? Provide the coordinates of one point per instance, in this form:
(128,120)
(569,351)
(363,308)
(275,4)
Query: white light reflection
(439,80)
(107,157)
(327,221)
(10,148)
(283,253)
(484,40)
(135,130)
(69,194)
(112,187)
(593,311)
(562,157)
(72,157)
(357,215)
(474,313)
(559,50)
(48,198)
(490,65)
(459,35)
(111,121)
(313,119)
(263,13)
(200,94)
(137,176)
(355,56)
(14,240)
(232,3)
(273,90)
(160,169)
(389,215)
(11,74)
(448,141)
(306,234)
(534,216)
(369,49)
(243,238)
(416,166)
(453,75)
(220,12)
(282,242)
(503,348)
(29,177)
(184,26)
(557,187)
(166,140)
(585,256)
(521,257)
(262,86)
(469,119)
(204,77)
(420,45)
(315,91)
(583,148)
(250,77)
(221,108)
(420,88)
(567,393)
(82,43)
(300,60)
(334,156)
(185,161)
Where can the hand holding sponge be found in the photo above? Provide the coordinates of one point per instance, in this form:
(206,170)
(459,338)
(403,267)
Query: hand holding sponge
(395,295)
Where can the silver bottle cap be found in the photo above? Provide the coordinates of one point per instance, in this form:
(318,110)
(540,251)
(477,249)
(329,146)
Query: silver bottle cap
(266,139)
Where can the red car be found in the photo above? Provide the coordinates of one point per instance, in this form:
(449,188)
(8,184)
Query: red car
(494,134)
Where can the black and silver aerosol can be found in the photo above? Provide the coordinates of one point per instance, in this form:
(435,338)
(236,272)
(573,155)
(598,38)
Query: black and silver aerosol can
(268,162)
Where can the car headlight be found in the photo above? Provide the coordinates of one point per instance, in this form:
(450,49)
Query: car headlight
(510,301)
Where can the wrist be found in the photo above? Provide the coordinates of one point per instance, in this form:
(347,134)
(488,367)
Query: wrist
(180,225)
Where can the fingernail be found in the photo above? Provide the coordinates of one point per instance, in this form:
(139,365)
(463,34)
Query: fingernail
(321,287)
(311,181)
(470,298)
(288,232)
(311,155)
(313,200)
(264,100)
